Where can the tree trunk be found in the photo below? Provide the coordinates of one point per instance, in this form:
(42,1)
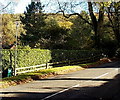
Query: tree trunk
(97,24)
(117,35)
(116,27)
(94,24)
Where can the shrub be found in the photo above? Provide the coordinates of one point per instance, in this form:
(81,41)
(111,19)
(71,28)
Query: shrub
(32,57)
(25,58)
(70,55)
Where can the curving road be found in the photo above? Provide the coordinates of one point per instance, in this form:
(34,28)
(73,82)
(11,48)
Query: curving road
(98,83)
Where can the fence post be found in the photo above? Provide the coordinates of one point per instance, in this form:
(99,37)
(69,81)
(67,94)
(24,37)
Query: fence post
(69,62)
(15,72)
(47,65)
(15,63)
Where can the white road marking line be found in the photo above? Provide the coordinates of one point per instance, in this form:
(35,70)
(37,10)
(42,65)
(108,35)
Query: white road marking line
(101,76)
(104,74)
(60,92)
(73,87)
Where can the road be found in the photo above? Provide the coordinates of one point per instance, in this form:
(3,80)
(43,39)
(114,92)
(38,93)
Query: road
(96,83)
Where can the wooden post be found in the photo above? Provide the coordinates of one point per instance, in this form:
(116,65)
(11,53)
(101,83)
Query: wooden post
(47,65)
(69,62)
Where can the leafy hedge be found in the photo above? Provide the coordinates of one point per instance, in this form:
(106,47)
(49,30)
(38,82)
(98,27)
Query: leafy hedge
(74,55)
(31,57)
(25,58)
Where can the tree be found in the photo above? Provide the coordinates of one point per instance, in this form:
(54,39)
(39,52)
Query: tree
(80,34)
(34,22)
(97,24)
(96,19)
(9,29)
(114,18)
(55,34)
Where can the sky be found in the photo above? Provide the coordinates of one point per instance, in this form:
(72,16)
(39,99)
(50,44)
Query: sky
(20,5)
(20,8)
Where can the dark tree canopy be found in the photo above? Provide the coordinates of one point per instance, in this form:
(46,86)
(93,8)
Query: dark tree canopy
(34,22)
(114,18)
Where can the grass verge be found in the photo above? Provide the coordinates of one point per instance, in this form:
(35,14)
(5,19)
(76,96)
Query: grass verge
(28,77)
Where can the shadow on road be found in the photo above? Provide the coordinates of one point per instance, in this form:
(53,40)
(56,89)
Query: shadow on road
(107,91)
(80,79)
(115,64)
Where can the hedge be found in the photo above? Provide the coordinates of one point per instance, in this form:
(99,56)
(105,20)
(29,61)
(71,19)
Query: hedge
(25,58)
(73,55)
(31,57)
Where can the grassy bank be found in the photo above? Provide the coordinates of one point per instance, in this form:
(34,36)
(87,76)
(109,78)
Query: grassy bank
(45,73)
(28,77)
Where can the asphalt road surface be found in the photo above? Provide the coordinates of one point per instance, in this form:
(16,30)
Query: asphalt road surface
(98,83)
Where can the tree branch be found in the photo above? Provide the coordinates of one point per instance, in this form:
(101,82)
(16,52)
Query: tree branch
(110,17)
(108,26)
(5,6)
(101,13)
(69,15)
